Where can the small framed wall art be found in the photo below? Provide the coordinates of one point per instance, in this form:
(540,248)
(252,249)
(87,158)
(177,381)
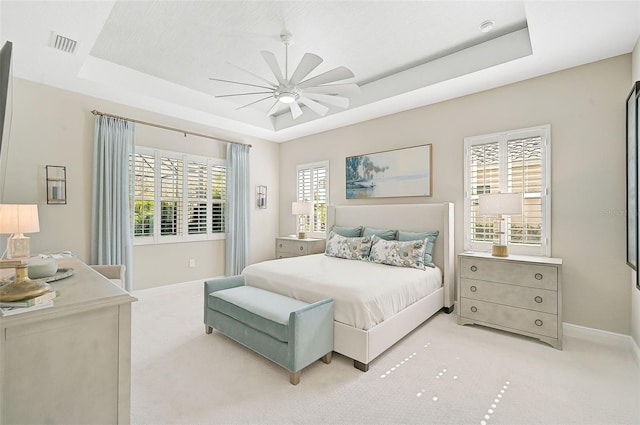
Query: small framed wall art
(56,184)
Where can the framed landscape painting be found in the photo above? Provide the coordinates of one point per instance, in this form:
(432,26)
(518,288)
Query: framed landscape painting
(400,172)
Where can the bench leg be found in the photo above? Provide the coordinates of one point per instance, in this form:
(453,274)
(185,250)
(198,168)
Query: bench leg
(294,377)
(208,329)
(327,357)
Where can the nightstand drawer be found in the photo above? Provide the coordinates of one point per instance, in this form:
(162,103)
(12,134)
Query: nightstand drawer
(291,247)
(517,296)
(534,322)
(533,275)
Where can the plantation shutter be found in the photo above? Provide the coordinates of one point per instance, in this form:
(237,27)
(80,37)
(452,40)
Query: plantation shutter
(196,197)
(143,197)
(313,186)
(510,162)
(170,197)
(218,198)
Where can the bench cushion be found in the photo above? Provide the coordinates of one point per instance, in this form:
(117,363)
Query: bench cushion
(262,310)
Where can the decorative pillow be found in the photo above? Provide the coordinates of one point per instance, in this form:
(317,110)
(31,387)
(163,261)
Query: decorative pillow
(430,238)
(349,248)
(348,232)
(397,253)
(385,234)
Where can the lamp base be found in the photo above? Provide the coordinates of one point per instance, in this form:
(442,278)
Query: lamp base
(22,288)
(302,235)
(499,251)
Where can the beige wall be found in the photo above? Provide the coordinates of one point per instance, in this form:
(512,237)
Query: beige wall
(53,126)
(585,107)
(635,294)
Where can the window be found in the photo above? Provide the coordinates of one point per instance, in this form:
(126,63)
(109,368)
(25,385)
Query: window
(186,193)
(313,185)
(511,162)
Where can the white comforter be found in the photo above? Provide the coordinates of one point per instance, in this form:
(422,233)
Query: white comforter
(364,294)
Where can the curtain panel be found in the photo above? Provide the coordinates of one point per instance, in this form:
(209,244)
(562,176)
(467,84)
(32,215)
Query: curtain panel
(111,235)
(237,219)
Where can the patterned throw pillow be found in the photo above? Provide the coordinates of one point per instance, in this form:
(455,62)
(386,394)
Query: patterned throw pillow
(349,248)
(430,238)
(397,253)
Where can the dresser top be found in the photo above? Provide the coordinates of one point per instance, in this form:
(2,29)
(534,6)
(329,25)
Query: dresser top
(524,258)
(295,238)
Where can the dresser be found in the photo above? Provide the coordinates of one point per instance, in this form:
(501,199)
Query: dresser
(521,294)
(70,363)
(288,246)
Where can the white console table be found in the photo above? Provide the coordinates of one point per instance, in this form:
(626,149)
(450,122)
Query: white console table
(70,363)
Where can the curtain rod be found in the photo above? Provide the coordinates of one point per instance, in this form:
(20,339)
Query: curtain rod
(96,112)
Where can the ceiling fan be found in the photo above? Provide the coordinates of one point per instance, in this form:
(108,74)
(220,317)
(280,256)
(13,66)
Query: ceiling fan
(314,92)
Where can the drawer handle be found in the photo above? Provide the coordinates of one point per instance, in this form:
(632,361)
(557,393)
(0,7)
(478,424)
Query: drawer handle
(474,308)
(538,322)
(474,268)
(539,276)
(538,299)
(301,248)
(280,245)
(473,289)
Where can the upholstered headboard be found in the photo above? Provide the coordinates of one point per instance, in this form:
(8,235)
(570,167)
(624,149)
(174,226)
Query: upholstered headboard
(412,218)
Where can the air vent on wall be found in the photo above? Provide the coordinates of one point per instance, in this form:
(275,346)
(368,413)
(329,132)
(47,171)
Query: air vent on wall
(63,43)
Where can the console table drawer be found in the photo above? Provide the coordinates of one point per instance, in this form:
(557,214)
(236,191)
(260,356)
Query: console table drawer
(533,322)
(533,275)
(517,296)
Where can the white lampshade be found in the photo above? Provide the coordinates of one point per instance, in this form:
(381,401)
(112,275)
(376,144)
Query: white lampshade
(19,218)
(301,208)
(495,204)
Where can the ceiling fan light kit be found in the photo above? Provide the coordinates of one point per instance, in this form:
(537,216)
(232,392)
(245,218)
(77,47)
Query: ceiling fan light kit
(315,93)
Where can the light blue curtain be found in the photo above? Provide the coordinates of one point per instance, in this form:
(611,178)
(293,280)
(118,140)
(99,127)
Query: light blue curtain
(111,236)
(238,195)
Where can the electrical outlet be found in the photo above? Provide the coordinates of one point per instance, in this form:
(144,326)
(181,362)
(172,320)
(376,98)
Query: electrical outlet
(192,262)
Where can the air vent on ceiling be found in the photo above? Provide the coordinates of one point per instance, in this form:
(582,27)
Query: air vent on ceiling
(63,43)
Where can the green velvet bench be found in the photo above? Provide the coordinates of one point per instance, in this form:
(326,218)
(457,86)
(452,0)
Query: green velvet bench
(289,332)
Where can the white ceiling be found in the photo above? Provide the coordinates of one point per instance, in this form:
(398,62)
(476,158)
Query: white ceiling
(159,55)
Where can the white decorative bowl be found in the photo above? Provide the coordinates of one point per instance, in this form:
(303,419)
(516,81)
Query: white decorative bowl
(42,267)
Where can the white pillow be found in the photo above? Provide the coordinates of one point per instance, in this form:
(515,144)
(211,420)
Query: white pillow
(398,253)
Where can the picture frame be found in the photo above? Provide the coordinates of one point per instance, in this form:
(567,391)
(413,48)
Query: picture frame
(394,173)
(632,177)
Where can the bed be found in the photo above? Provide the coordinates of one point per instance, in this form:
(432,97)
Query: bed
(368,318)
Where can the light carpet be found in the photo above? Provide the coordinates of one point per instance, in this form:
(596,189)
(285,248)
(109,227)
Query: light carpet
(441,373)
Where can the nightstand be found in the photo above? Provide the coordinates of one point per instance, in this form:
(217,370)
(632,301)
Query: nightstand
(288,246)
(521,294)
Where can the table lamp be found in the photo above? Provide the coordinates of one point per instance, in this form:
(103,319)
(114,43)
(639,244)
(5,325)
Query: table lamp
(498,205)
(16,220)
(301,209)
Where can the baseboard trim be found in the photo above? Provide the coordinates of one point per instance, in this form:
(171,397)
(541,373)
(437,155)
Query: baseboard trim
(170,286)
(606,337)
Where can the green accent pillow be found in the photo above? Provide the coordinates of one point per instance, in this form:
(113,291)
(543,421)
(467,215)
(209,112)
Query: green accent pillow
(347,232)
(430,241)
(387,235)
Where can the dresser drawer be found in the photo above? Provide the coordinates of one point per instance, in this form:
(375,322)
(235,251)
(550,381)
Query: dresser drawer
(517,296)
(533,322)
(280,254)
(533,275)
(291,246)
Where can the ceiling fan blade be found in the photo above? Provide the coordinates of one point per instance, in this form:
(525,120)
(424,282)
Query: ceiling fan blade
(295,110)
(244,94)
(314,106)
(253,103)
(347,89)
(237,82)
(308,63)
(336,74)
(342,102)
(274,108)
(253,75)
(271,61)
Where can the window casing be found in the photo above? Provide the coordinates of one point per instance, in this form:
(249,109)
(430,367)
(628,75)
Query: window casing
(177,197)
(313,185)
(516,161)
